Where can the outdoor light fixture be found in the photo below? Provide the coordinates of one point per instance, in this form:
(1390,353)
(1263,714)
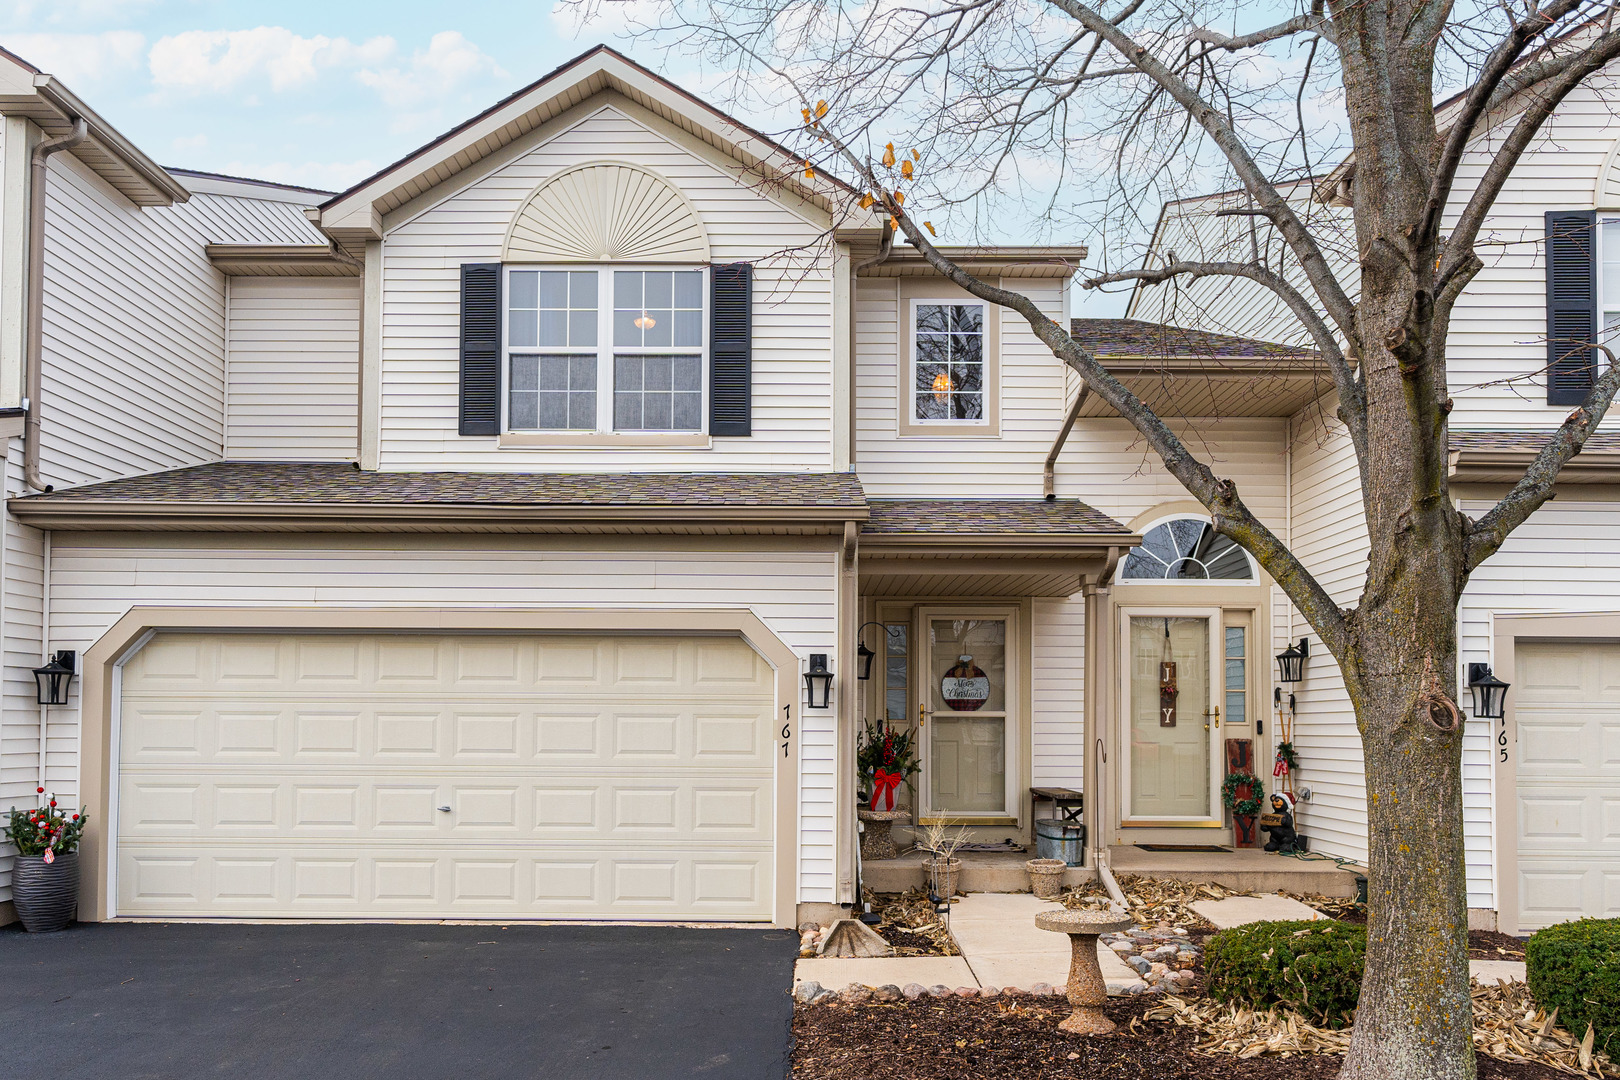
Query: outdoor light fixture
(645,321)
(55,676)
(1490,693)
(943,385)
(817,682)
(864,654)
(1291,661)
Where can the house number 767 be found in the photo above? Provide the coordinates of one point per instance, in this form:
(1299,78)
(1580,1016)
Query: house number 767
(787,728)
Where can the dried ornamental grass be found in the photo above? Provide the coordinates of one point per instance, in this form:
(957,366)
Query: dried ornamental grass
(1508,1026)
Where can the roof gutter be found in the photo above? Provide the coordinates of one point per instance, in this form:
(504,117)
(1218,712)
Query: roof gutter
(883,253)
(1049,471)
(34,354)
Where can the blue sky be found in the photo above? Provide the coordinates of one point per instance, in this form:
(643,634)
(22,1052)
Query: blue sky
(319,94)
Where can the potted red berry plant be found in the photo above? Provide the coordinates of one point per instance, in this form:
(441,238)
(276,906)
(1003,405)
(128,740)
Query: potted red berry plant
(45,870)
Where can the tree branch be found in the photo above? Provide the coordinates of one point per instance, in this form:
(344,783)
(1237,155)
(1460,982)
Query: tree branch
(1482,538)
(1312,23)
(1299,239)
(1460,245)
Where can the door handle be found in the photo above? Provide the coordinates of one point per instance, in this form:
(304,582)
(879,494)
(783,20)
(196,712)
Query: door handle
(444,809)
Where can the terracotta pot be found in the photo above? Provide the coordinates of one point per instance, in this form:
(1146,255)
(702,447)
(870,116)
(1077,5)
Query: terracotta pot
(46,894)
(942,874)
(1046,877)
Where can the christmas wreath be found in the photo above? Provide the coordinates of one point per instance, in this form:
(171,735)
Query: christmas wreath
(1234,783)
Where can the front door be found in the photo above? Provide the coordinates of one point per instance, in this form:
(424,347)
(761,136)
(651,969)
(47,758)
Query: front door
(966,699)
(1172,722)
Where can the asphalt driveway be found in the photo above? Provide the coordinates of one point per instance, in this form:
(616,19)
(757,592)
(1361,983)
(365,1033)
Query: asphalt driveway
(178,1001)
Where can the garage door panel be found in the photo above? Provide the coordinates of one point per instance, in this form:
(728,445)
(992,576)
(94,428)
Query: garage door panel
(345,881)
(1567,710)
(303,775)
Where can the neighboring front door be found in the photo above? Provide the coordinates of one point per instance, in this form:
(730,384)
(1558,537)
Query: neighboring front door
(967,697)
(1171,719)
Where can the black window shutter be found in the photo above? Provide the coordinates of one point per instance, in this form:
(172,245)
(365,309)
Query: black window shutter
(1571,304)
(731,348)
(481,349)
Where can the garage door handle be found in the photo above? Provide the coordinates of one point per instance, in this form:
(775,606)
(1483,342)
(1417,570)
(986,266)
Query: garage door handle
(444,809)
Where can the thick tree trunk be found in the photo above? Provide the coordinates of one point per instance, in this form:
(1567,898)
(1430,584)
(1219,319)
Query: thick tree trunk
(1414,1017)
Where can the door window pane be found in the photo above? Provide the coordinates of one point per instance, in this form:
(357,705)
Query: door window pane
(896,683)
(967,725)
(1169,694)
(1237,682)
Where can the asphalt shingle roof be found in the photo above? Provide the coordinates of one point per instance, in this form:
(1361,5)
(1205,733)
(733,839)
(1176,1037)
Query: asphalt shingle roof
(1527,441)
(1139,339)
(987,517)
(301,483)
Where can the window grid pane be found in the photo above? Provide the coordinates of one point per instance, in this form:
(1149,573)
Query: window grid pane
(950,362)
(657,309)
(552,393)
(657,392)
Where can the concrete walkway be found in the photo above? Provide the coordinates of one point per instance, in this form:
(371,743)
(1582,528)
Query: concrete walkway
(1000,945)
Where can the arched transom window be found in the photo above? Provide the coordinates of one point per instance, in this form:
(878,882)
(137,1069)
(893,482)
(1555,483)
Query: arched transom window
(1187,549)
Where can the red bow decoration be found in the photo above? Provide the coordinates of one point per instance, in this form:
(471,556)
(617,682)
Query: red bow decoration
(883,785)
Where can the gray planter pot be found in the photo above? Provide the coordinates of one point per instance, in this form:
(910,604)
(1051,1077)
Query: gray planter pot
(46,895)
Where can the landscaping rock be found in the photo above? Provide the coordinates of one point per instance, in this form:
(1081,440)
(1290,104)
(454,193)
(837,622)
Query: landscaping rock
(855,994)
(825,997)
(967,991)
(1040,989)
(1142,966)
(806,992)
(809,926)
(940,991)
(913,991)
(887,992)
(989,992)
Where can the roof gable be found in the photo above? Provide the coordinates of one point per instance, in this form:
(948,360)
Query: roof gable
(357,213)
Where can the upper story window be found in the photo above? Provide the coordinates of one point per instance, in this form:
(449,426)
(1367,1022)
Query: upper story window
(605,349)
(948,362)
(1609,283)
(1187,549)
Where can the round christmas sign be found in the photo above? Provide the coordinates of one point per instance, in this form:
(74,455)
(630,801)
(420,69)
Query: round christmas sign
(965,688)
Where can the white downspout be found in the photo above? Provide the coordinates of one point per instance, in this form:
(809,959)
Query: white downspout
(34,352)
(44,649)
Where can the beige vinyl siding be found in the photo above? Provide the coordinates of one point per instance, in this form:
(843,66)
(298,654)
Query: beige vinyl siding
(96,578)
(1032,383)
(19,714)
(134,367)
(293,369)
(1329,535)
(1058,707)
(792,342)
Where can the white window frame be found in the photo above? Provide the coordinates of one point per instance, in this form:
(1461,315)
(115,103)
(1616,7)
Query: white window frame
(1197,583)
(605,351)
(1599,359)
(985,381)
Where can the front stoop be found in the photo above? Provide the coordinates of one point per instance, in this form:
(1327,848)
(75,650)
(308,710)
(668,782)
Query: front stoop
(982,872)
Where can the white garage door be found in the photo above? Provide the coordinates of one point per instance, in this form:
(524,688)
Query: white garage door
(1567,704)
(409,776)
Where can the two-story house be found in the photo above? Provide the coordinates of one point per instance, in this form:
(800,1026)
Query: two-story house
(473,543)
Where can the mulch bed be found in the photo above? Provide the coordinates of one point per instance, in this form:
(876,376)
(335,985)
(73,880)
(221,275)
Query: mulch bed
(1489,945)
(908,922)
(964,1039)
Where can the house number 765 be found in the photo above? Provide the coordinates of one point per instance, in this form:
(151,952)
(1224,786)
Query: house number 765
(787,728)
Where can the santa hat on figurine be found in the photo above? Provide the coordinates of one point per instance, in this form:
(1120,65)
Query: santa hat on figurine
(1282,803)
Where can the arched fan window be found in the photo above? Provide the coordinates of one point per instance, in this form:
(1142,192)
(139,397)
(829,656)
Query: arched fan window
(1187,549)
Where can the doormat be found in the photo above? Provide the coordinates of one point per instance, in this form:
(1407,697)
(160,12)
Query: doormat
(1182,847)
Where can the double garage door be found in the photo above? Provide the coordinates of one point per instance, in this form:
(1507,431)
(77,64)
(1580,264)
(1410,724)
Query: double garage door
(469,776)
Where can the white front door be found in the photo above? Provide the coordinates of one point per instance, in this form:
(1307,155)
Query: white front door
(967,703)
(1171,684)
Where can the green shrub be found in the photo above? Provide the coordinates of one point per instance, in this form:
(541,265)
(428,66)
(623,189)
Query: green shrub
(1574,967)
(1310,966)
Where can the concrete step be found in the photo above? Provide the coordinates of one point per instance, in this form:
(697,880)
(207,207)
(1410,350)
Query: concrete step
(982,872)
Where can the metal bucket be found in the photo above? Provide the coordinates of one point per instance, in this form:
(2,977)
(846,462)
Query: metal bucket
(1064,840)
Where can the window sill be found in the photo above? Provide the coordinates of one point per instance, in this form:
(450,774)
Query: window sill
(949,431)
(601,440)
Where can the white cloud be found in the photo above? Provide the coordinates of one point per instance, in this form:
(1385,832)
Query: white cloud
(190,142)
(78,12)
(80,60)
(210,61)
(449,62)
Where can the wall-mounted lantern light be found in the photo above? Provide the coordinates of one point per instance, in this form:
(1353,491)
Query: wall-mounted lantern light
(864,654)
(55,676)
(818,682)
(1490,693)
(1291,661)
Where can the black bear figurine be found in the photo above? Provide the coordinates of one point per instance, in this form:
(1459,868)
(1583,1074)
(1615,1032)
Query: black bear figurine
(1283,836)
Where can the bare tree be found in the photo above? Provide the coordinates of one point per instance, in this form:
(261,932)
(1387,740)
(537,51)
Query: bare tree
(1091,113)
